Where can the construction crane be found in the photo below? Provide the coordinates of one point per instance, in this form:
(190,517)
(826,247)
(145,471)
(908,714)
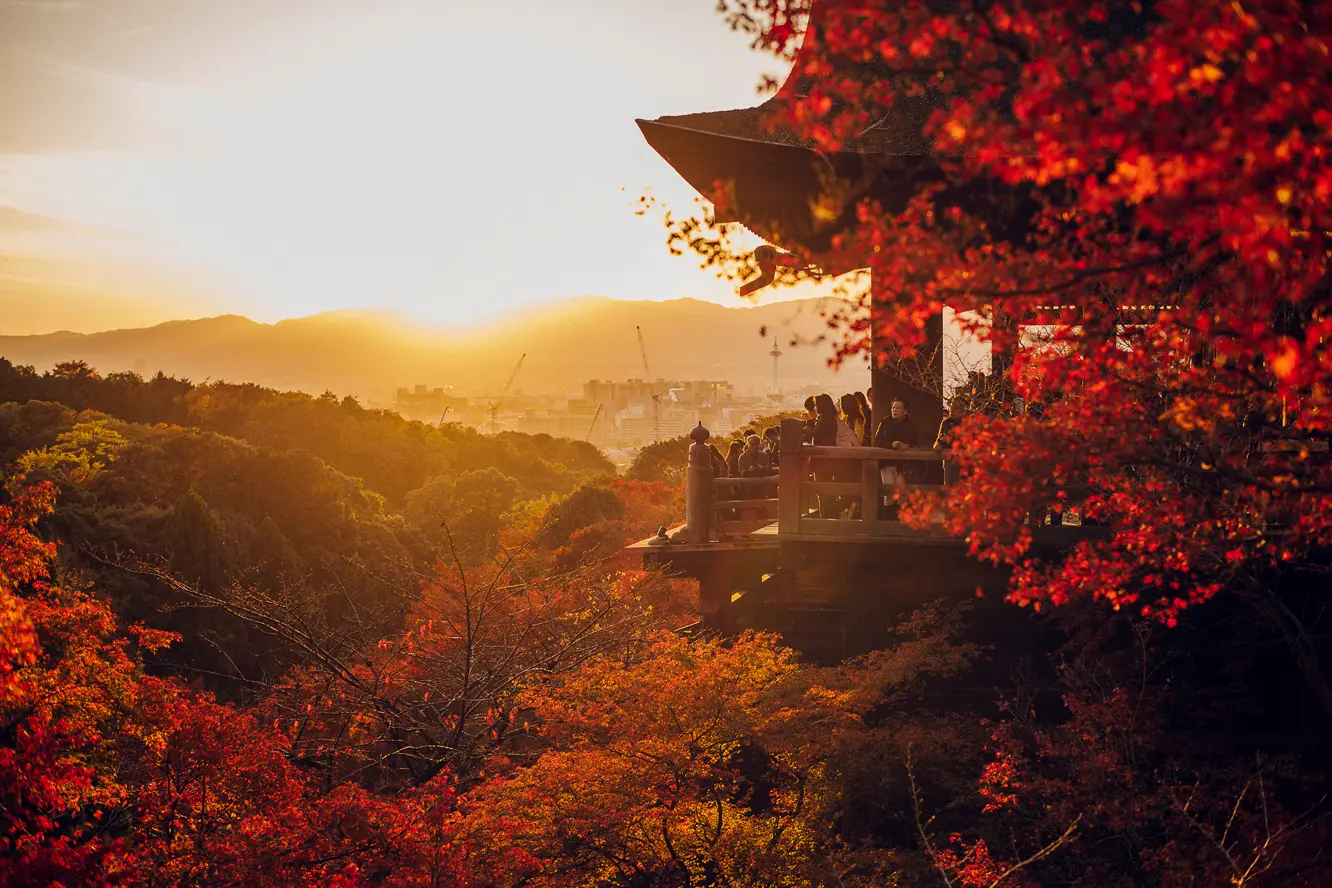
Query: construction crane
(656,398)
(588,436)
(504,393)
(444,416)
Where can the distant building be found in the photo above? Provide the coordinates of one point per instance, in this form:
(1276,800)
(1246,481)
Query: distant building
(429,404)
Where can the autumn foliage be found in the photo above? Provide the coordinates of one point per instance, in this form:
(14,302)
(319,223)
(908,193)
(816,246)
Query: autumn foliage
(1131,200)
(451,675)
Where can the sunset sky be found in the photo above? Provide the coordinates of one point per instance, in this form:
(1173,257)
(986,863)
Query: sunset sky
(446,160)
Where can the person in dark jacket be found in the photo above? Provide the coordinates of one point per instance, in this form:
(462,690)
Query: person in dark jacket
(895,433)
(772,447)
(825,435)
(753,461)
(718,462)
(811,420)
(946,440)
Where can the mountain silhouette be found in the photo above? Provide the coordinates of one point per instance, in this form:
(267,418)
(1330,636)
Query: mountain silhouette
(370,354)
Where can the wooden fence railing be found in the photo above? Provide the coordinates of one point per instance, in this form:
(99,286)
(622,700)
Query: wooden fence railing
(814,487)
(742,505)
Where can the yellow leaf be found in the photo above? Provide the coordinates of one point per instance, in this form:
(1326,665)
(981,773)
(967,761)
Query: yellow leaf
(1284,364)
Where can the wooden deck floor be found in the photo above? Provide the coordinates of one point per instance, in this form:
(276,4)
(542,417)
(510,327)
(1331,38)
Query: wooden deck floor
(819,530)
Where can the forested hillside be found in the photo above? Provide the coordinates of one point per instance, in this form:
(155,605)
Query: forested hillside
(253,638)
(317,500)
(390,454)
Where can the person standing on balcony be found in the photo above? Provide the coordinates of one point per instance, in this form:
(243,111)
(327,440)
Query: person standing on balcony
(854,418)
(733,459)
(753,461)
(772,447)
(895,433)
(830,431)
(947,438)
(867,433)
(719,468)
(811,420)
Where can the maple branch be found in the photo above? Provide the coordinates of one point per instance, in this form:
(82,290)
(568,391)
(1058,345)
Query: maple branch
(1043,853)
(1082,276)
(921,830)
(1302,647)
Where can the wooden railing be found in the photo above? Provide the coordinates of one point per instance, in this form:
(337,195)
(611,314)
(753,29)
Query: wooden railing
(794,496)
(742,505)
(865,495)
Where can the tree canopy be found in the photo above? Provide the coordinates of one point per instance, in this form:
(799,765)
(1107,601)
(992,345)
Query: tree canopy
(1131,202)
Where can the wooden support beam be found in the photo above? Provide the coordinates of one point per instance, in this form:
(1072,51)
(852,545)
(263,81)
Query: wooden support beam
(714,605)
(870,495)
(721,484)
(742,504)
(834,488)
(790,469)
(918,454)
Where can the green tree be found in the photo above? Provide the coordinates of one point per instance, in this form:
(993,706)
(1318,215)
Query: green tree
(663,461)
(272,555)
(585,506)
(470,508)
(77,455)
(196,542)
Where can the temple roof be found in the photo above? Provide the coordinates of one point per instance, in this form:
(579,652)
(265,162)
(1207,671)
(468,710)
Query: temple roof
(776,178)
(898,132)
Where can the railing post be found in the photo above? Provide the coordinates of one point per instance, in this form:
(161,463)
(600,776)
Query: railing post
(698,487)
(870,495)
(789,477)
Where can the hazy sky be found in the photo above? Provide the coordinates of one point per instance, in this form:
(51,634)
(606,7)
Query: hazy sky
(447,159)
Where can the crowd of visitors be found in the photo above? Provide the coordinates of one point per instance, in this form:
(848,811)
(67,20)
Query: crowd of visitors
(847,422)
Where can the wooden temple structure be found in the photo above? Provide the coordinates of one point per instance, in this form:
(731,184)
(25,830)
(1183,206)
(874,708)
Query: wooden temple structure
(761,554)
(766,559)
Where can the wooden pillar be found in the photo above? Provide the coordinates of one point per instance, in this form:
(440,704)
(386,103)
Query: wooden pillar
(789,476)
(870,494)
(926,411)
(698,487)
(1002,356)
(880,381)
(714,604)
(924,395)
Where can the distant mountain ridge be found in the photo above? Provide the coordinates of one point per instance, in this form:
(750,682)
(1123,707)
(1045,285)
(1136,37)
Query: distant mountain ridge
(369,354)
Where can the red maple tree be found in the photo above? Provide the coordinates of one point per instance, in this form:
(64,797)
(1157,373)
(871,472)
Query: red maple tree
(109,776)
(1131,200)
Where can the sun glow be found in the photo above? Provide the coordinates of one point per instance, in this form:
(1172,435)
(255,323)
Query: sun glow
(449,161)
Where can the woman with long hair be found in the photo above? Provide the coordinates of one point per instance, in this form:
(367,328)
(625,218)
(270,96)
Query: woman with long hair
(830,431)
(854,417)
(733,459)
(867,434)
(826,421)
(718,462)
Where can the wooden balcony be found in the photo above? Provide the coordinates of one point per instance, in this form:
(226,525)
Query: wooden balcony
(818,542)
(802,502)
